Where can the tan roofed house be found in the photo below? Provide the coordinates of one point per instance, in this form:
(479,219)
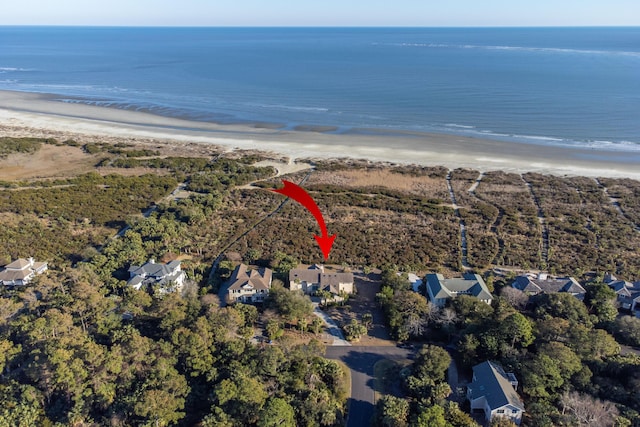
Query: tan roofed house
(313,279)
(440,289)
(249,285)
(21,271)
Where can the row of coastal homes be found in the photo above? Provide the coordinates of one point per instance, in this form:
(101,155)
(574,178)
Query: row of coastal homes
(21,272)
(249,285)
(543,283)
(440,290)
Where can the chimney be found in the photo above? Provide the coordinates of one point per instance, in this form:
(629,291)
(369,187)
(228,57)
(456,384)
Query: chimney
(152,261)
(31,261)
(542,276)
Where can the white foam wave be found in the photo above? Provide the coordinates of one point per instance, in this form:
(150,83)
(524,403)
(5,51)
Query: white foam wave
(455,125)
(545,140)
(288,107)
(516,48)
(12,69)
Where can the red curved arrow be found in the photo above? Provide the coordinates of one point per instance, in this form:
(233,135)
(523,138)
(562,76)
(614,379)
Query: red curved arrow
(298,194)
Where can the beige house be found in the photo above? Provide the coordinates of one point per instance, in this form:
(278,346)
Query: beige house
(493,392)
(440,289)
(21,272)
(248,285)
(313,279)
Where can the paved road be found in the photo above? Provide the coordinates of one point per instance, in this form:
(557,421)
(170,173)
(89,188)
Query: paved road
(361,360)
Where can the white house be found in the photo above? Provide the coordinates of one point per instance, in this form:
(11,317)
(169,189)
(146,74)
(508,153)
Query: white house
(493,392)
(169,277)
(440,289)
(314,278)
(248,285)
(21,272)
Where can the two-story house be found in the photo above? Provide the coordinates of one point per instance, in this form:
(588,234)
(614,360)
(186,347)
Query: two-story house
(315,278)
(439,289)
(493,392)
(21,272)
(168,277)
(248,285)
(628,294)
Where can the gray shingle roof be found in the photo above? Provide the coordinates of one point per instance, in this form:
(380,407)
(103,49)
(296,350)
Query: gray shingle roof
(152,272)
(469,284)
(492,382)
(548,285)
(153,269)
(622,287)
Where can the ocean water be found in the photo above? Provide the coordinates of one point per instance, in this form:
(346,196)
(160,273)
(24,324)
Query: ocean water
(566,86)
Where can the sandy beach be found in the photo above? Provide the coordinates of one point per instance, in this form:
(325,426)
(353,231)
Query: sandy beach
(30,114)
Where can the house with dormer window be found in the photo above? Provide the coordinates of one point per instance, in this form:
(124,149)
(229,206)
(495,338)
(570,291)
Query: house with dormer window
(248,285)
(627,293)
(21,272)
(439,289)
(315,278)
(167,277)
(542,283)
(493,392)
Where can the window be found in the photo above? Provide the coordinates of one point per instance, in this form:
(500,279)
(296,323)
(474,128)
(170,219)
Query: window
(514,411)
(501,411)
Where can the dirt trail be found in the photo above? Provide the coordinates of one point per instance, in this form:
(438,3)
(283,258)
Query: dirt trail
(463,227)
(542,221)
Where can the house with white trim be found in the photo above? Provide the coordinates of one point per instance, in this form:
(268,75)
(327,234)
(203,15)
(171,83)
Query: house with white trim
(493,391)
(627,293)
(315,278)
(21,271)
(168,277)
(248,285)
(439,289)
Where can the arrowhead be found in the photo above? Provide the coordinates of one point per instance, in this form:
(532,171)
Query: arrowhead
(325,243)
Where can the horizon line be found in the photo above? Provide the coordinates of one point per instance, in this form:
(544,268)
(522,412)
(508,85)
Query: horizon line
(314,26)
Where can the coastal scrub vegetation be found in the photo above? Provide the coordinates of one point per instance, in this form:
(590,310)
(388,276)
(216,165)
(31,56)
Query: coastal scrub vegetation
(19,145)
(586,231)
(79,346)
(58,223)
(385,215)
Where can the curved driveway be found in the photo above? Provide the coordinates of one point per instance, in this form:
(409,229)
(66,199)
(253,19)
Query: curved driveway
(360,360)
